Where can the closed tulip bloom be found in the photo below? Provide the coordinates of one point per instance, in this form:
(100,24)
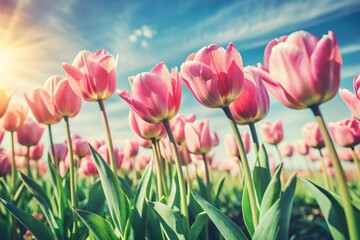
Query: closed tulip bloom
(2,133)
(141,162)
(80,146)
(231,146)
(61,151)
(253,103)
(156,95)
(36,152)
(178,126)
(197,137)
(313,156)
(312,135)
(96,144)
(346,133)
(63,167)
(145,129)
(214,75)
(214,138)
(127,164)
(286,150)
(21,151)
(346,155)
(272,133)
(145,143)
(131,148)
(5,96)
(92,76)
(88,166)
(14,117)
(5,164)
(300,147)
(303,70)
(352,100)
(42,167)
(30,133)
(41,105)
(119,155)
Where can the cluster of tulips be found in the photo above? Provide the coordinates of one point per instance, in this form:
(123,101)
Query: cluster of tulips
(175,193)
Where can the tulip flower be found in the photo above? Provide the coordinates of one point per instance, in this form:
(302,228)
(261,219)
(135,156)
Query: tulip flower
(2,134)
(286,150)
(231,147)
(80,146)
(30,133)
(178,126)
(87,166)
(119,155)
(197,137)
(36,152)
(63,167)
(346,133)
(131,148)
(5,96)
(300,147)
(312,136)
(143,142)
(144,129)
(5,165)
(313,156)
(96,144)
(272,133)
(127,164)
(351,100)
(141,162)
(14,117)
(346,155)
(61,151)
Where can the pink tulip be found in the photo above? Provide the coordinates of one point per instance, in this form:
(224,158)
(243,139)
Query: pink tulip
(30,133)
(80,146)
(14,117)
(312,135)
(67,103)
(345,155)
(300,147)
(63,167)
(141,162)
(36,152)
(168,154)
(313,156)
(42,106)
(346,133)
(214,138)
(5,164)
(231,146)
(156,95)
(127,164)
(178,126)
(87,166)
(144,142)
(197,137)
(21,151)
(272,133)
(286,150)
(131,148)
(5,96)
(20,162)
(92,76)
(42,167)
(327,159)
(214,75)
(303,71)
(351,100)
(96,144)
(119,155)
(144,129)
(2,133)
(61,150)
(253,103)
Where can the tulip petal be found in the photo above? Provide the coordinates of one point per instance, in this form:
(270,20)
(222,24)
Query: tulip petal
(351,101)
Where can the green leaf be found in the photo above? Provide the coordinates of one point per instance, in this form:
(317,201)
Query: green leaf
(170,220)
(261,173)
(100,227)
(174,197)
(118,205)
(136,226)
(202,187)
(246,211)
(218,189)
(126,189)
(37,228)
(332,208)
(96,199)
(272,192)
(60,192)
(44,203)
(227,228)
(200,221)
(275,223)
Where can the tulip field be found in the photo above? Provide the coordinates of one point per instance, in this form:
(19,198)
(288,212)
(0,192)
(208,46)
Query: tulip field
(82,189)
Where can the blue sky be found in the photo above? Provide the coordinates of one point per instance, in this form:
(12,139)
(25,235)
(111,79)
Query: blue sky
(38,35)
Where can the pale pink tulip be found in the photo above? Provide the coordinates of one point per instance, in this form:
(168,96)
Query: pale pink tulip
(272,133)
(30,133)
(300,147)
(178,126)
(20,151)
(63,167)
(168,154)
(5,96)
(303,70)
(92,76)
(36,152)
(156,95)
(345,155)
(80,146)
(14,117)
(253,103)
(214,75)
(351,100)
(346,133)
(144,142)
(214,138)
(141,162)
(96,144)
(131,148)
(145,129)
(127,164)
(286,150)
(2,133)
(119,155)
(88,166)
(312,135)
(42,167)
(313,155)
(197,137)
(231,146)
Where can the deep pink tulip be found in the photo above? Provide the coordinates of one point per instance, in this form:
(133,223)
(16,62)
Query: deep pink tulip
(61,151)
(131,148)
(92,76)
(272,133)
(36,152)
(214,75)
(5,96)
(2,133)
(286,150)
(119,155)
(312,135)
(42,106)
(231,146)
(156,95)
(80,146)
(178,126)
(30,133)
(300,147)
(66,102)
(5,164)
(88,166)
(303,71)
(346,133)
(197,137)
(253,103)
(352,100)
(14,117)
(145,129)
(144,142)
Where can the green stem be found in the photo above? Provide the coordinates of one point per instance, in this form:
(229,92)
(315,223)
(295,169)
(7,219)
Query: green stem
(339,174)
(28,161)
(158,170)
(207,175)
(53,157)
(357,165)
(13,182)
(184,208)
(282,174)
(162,168)
(246,168)
(241,173)
(187,161)
(254,137)
(324,171)
(108,134)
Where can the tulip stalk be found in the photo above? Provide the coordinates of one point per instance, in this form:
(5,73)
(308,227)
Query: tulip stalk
(357,164)
(53,157)
(28,173)
(282,174)
(162,168)
(254,137)
(158,168)
(185,153)
(108,135)
(246,168)
(13,182)
(354,231)
(207,175)
(324,171)
(184,209)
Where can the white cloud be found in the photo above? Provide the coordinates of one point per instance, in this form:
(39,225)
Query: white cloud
(351,48)
(133,38)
